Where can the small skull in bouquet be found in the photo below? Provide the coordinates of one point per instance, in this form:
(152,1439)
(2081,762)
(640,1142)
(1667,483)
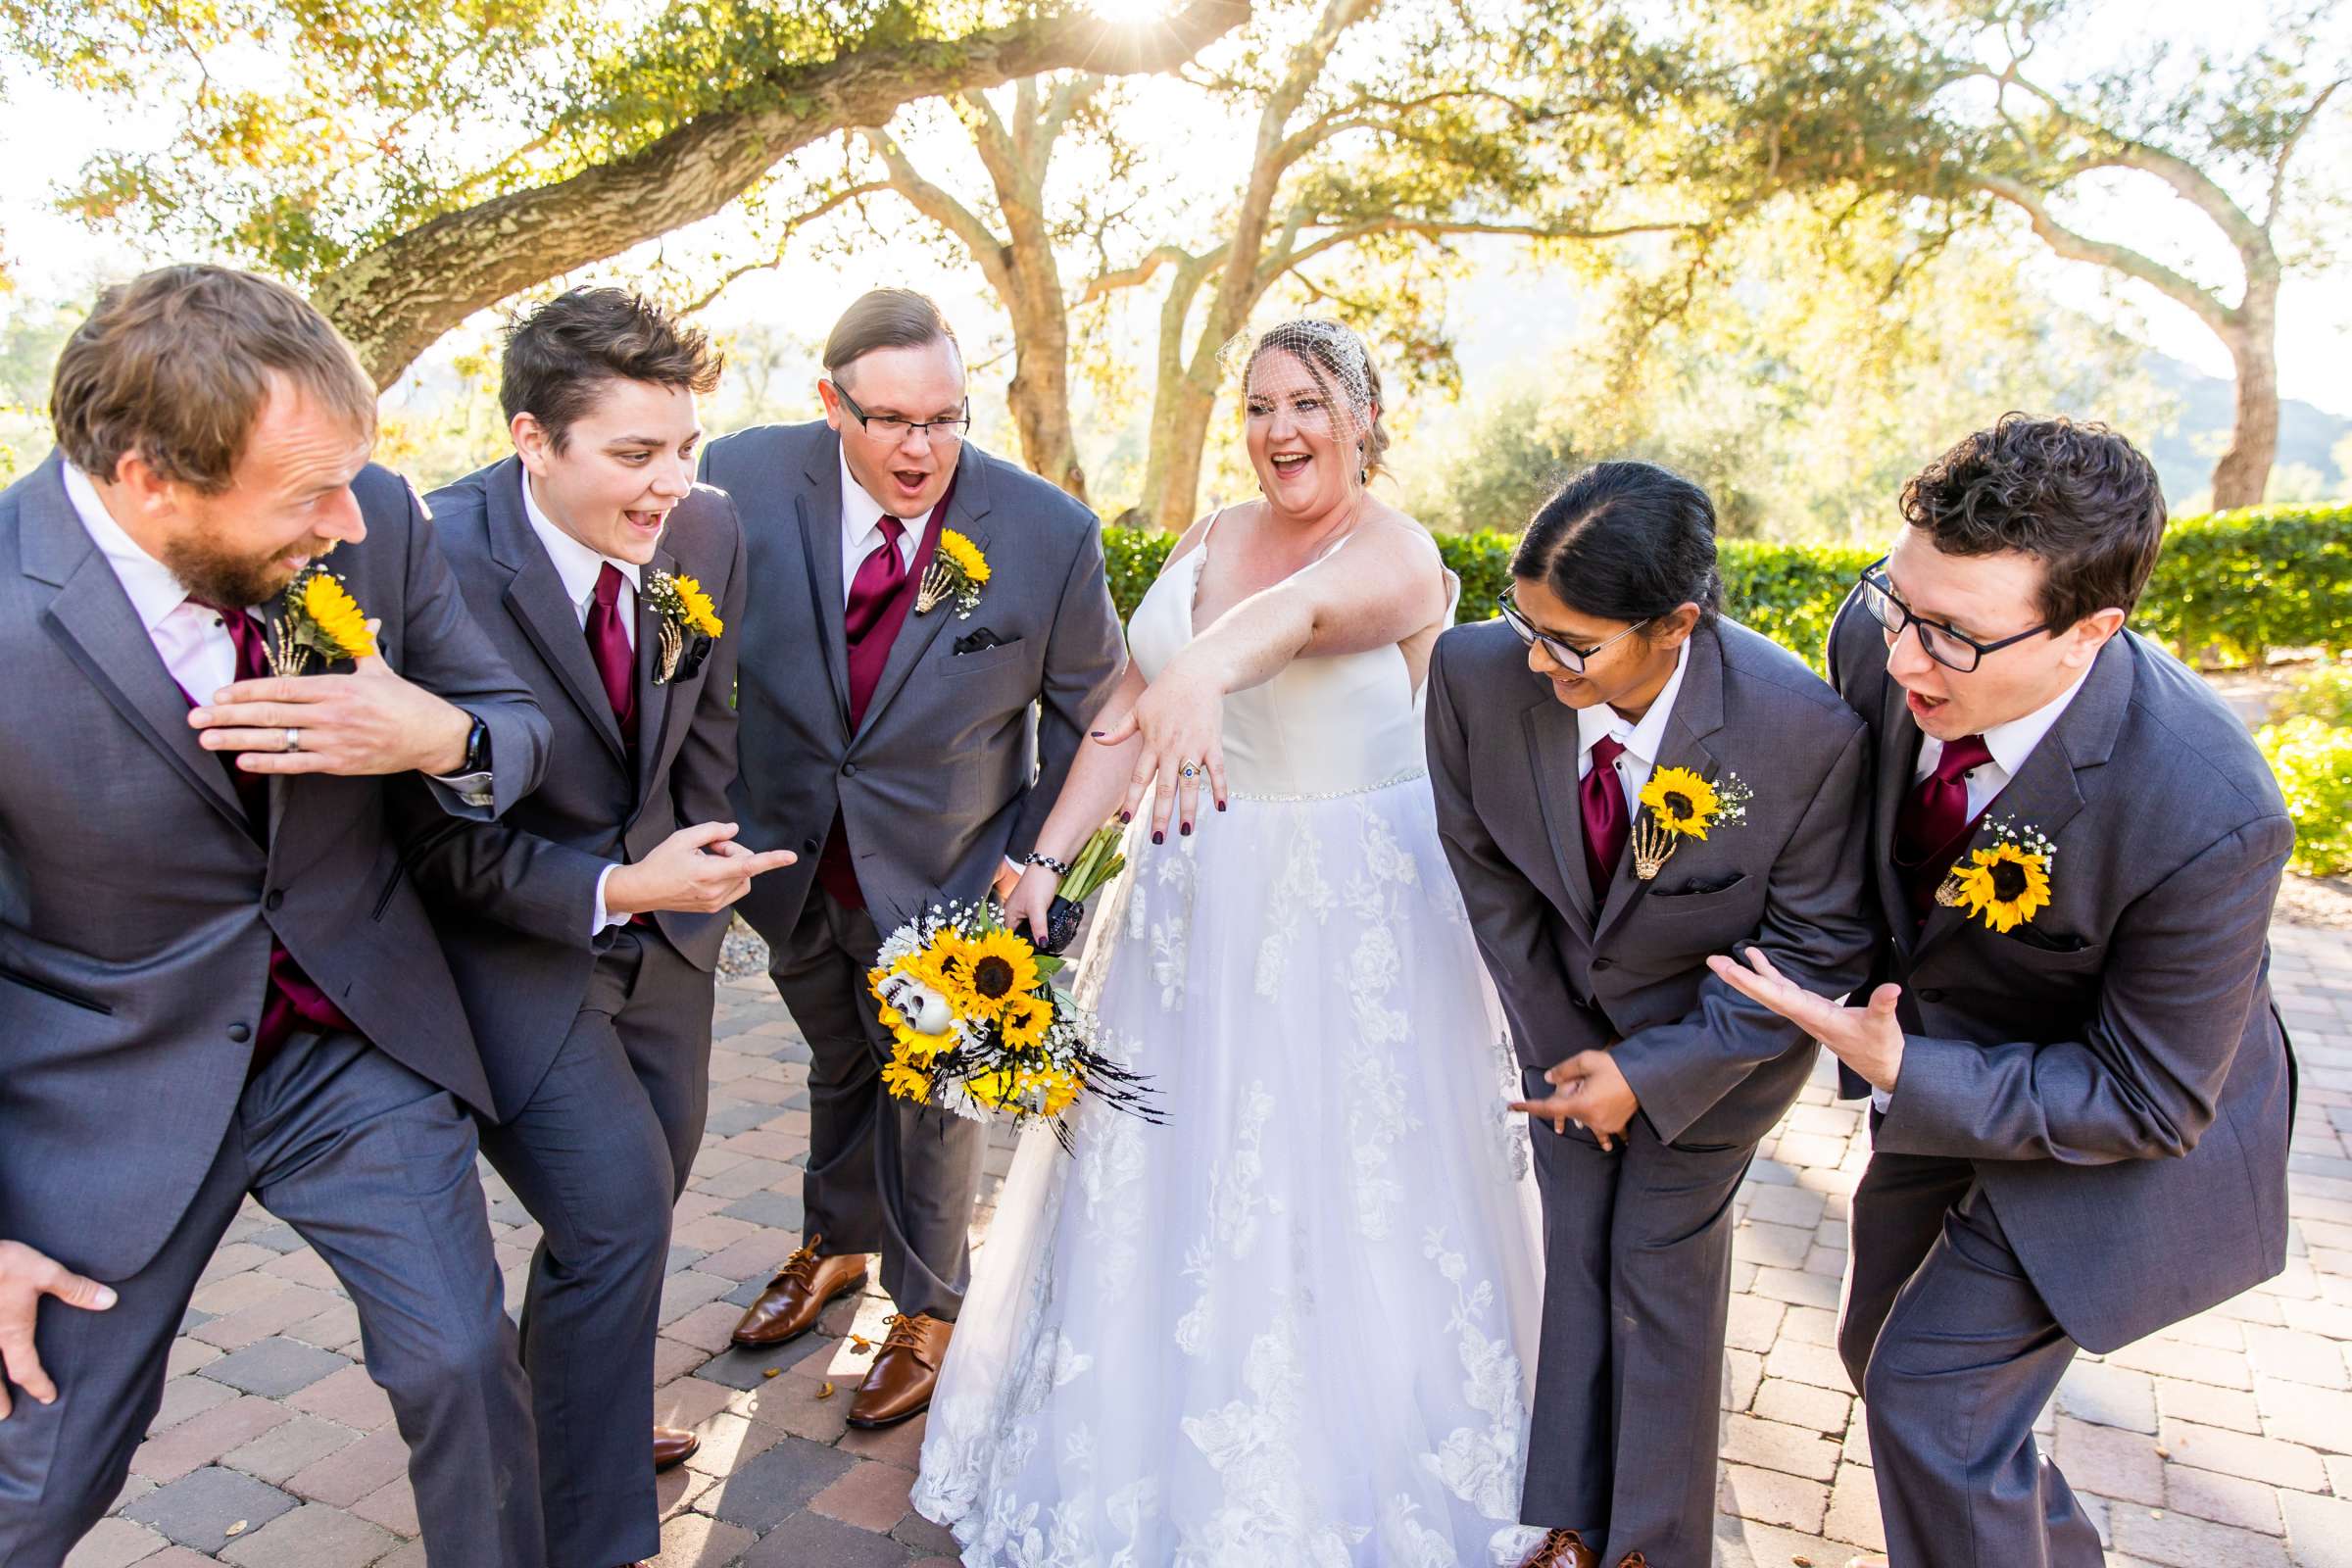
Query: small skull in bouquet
(979,1027)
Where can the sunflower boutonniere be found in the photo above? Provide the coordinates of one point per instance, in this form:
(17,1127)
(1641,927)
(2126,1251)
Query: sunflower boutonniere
(2006,883)
(1676,803)
(318,616)
(688,625)
(957,571)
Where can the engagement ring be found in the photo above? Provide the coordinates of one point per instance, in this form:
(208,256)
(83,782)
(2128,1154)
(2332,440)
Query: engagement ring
(1189,770)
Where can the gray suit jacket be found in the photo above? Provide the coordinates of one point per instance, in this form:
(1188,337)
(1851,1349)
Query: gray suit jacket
(1577,970)
(514,899)
(2113,1067)
(961,755)
(137,905)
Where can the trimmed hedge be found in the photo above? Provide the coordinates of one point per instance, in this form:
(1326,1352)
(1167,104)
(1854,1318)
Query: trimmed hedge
(2228,588)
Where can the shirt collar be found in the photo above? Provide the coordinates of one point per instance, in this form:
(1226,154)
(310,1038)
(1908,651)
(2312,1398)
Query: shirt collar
(152,591)
(2012,743)
(1644,739)
(576,564)
(861,513)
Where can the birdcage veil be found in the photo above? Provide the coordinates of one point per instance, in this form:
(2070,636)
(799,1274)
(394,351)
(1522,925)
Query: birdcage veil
(1310,353)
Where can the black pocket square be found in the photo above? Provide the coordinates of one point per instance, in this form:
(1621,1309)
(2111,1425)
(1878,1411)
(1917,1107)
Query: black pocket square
(2047,940)
(977,641)
(690,657)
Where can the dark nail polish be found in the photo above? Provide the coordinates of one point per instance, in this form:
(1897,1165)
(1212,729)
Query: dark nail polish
(1125,816)
(1158,837)
(1096,733)
(1187,830)
(1220,806)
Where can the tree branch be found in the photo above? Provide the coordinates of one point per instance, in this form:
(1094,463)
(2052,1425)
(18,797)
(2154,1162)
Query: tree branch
(393,300)
(2075,247)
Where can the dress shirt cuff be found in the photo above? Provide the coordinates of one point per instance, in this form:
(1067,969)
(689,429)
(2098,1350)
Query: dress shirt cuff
(1881,1100)
(474,788)
(604,919)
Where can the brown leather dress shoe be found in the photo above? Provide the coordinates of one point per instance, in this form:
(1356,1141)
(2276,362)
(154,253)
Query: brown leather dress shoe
(899,1384)
(796,1296)
(1633,1559)
(1562,1548)
(673,1446)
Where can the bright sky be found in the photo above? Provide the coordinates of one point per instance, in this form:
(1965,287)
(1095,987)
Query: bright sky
(48,133)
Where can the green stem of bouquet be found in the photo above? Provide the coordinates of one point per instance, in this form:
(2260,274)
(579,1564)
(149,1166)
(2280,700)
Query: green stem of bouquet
(1096,864)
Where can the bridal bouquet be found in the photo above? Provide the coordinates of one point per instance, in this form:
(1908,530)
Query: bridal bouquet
(978,1026)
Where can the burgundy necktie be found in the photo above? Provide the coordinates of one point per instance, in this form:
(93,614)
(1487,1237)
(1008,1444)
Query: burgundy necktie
(868,628)
(290,1000)
(1932,825)
(609,644)
(1600,798)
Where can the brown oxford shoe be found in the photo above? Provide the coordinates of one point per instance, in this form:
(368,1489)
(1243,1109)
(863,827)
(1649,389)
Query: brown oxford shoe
(1633,1559)
(1562,1548)
(673,1446)
(899,1384)
(798,1296)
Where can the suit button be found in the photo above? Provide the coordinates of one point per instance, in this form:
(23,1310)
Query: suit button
(1599,964)
(239,1033)
(848,771)
(807,845)
(1930,993)
(275,899)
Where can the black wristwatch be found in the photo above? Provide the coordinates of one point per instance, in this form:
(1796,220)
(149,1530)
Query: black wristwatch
(478,748)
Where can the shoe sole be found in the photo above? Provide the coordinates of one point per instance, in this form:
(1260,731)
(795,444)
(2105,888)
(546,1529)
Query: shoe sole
(896,1420)
(857,1284)
(660,1469)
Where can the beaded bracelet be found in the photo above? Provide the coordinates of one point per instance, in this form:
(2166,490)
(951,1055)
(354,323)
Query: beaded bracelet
(1057,867)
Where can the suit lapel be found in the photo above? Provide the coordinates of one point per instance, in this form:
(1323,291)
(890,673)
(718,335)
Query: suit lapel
(535,597)
(1696,714)
(1551,744)
(2045,795)
(93,619)
(968,506)
(1898,754)
(818,510)
(653,698)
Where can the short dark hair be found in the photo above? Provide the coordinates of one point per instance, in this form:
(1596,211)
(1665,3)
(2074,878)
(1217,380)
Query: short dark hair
(884,319)
(2079,498)
(175,365)
(560,356)
(1625,541)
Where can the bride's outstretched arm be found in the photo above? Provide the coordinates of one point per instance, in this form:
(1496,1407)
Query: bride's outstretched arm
(1386,585)
(1090,793)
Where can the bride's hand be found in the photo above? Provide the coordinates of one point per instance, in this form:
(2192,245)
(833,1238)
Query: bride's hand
(1032,900)
(1181,720)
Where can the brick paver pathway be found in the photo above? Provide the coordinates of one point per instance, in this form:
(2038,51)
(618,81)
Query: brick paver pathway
(2223,1443)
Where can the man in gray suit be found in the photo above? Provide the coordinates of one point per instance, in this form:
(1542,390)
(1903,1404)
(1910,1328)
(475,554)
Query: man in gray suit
(2080,1092)
(585,926)
(215,976)
(908,748)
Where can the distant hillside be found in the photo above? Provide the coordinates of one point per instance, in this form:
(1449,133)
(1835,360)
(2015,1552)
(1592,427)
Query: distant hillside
(2307,434)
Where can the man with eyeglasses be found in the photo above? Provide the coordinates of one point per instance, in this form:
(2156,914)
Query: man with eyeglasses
(905,739)
(2081,1091)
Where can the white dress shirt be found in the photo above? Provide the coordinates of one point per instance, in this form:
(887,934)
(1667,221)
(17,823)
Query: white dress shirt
(2010,745)
(862,529)
(195,645)
(579,567)
(1641,741)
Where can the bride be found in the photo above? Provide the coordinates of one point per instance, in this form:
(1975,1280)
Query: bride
(1292,1325)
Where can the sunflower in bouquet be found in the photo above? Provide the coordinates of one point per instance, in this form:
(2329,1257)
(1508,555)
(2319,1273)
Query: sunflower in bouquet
(979,1028)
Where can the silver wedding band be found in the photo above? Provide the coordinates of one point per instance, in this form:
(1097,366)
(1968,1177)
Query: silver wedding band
(293,740)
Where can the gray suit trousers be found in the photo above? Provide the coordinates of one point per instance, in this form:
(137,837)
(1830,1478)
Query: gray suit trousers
(598,1156)
(884,1176)
(1955,1353)
(1629,1378)
(373,1166)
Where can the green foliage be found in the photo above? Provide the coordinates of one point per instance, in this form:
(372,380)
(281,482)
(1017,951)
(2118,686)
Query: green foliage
(2232,586)
(2323,693)
(2314,763)
(2296,563)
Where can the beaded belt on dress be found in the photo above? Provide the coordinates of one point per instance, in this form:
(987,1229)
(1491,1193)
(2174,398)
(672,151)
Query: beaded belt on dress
(1332,795)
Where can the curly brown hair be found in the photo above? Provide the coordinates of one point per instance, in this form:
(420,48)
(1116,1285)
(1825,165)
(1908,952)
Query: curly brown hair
(560,355)
(2079,498)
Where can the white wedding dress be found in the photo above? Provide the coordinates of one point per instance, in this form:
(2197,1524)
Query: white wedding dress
(1293,1326)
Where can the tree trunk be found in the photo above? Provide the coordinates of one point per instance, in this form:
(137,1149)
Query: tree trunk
(2244,472)
(1178,450)
(1040,395)
(393,301)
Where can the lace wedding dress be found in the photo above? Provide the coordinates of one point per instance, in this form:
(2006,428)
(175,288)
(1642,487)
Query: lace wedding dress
(1292,1327)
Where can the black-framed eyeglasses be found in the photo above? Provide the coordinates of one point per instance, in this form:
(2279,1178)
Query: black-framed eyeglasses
(1565,654)
(1949,647)
(894,428)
